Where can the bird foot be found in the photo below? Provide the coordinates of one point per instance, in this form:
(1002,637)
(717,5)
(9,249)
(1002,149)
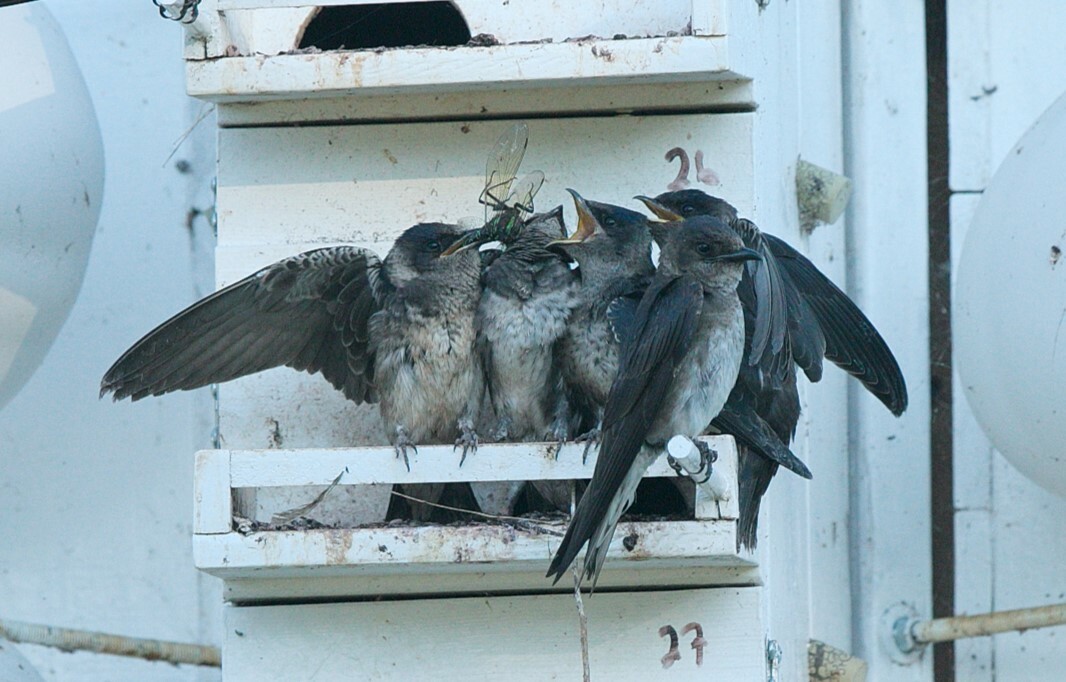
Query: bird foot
(589,438)
(401,445)
(708,456)
(503,430)
(467,439)
(557,434)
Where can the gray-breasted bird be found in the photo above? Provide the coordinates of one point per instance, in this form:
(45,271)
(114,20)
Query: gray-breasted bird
(399,332)
(612,247)
(805,318)
(528,294)
(679,363)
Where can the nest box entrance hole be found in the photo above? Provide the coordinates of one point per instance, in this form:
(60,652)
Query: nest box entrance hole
(386,24)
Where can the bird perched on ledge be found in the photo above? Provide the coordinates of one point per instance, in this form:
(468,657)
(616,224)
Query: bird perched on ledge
(528,293)
(612,247)
(794,318)
(399,332)
(678,365)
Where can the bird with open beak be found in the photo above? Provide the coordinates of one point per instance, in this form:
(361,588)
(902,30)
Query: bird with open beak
(680,361)
(612,248)
(795,318)
(399,332)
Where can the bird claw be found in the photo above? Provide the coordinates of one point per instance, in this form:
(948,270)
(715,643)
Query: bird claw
(401,445)
(503,430)
(708,456)
(589,438)
(467,439)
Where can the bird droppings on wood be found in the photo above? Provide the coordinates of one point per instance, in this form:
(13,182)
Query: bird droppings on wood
(630,541)
(483,40)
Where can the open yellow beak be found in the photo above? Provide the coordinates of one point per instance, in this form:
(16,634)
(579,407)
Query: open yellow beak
(661,212)
(586,222)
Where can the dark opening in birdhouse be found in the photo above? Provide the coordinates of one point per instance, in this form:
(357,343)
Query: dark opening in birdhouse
(400,24)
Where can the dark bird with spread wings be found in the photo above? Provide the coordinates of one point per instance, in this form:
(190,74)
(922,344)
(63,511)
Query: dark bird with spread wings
(399,332)
(680,361)
(793,316)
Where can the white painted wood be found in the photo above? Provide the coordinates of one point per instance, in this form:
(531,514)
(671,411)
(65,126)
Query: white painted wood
(1007,64)
(277,25)
(434,463)
(972,482)
(887,232)
(512,638)
(1008,531)
(497,102)
(573,64)
(464,558)
(822,440)
(213,499)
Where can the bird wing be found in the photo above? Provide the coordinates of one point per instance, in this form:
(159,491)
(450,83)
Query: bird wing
(740,421)
(771,311)
(851,340)
(666,322)
(309,312)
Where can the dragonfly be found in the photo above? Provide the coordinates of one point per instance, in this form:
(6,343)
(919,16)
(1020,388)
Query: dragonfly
(507,201)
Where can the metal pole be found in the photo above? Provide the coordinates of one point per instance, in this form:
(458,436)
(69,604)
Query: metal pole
(66,639)
(985,624)
(912,635)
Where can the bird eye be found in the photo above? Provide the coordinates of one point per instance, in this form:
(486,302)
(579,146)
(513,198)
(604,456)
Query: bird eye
(609,222)
(433,245)
(688,209)
(703,248)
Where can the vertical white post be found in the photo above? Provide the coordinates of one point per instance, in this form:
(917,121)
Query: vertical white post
(885,153)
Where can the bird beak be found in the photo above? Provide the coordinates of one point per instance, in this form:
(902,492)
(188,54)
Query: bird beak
(586,222)
(661,212)
(467,240)
(739,256)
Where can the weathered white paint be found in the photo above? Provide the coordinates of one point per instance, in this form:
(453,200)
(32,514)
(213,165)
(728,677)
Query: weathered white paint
(477,552)
(583,63)
(1007,64)
(95,496)
(270,27)
(512,638)
(884,91)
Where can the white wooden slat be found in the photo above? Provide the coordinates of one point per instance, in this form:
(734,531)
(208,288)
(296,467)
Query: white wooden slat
(273,4)
(823,438)
(1007,66)
(884,96)
(277,26)
(213,505)
(434,463)
(501,102)
(509,638)
(255,586)
(470,549)
(573,64)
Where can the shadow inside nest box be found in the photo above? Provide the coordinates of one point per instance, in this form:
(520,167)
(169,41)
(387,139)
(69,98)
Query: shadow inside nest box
(386,25)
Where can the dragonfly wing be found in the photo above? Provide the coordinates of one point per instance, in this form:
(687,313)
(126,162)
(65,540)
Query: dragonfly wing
(521,196)
(503,163)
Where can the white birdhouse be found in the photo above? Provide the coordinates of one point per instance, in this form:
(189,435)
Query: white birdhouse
(333,129)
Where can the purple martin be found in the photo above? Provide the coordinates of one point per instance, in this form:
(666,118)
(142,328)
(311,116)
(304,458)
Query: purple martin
(529,291)
(794,316)
(612,248)
(399,332)
(680,359)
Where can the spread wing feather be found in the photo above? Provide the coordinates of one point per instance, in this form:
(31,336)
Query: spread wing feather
(309,312)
